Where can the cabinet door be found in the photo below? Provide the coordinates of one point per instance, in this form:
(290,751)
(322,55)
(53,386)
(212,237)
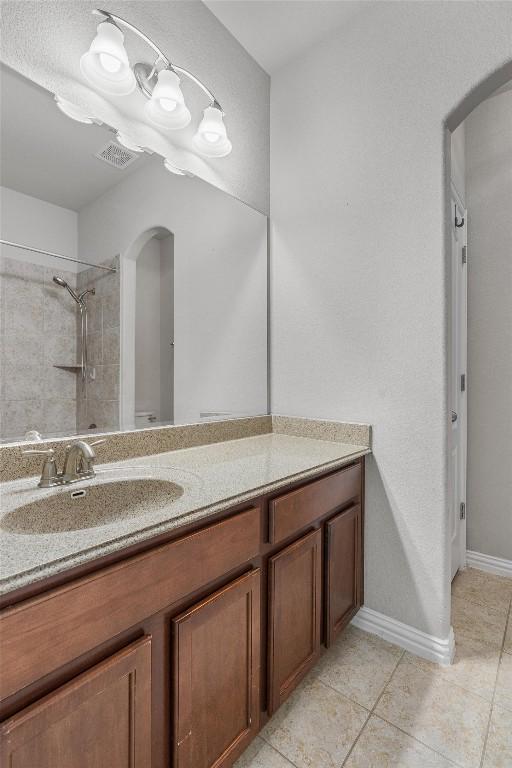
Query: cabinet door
(343,570)
(295,578)
(101,719)
(216,675)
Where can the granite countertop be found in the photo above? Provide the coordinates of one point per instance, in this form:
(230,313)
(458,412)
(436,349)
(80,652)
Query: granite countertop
(213,477)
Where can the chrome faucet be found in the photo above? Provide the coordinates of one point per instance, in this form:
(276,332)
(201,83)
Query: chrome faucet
(79,461)
(78,464)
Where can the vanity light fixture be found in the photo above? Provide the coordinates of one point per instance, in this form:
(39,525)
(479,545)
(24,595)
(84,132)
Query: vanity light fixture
(74,112)
(174,168)
(107,68)
(166,107)
(211,138)
(106,64)
(127,142)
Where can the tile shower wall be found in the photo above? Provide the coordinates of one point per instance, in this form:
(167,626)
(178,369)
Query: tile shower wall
(38,324)
(98,400)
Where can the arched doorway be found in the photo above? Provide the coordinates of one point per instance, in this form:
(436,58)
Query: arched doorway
(147,330)
(472,391)
(458,255)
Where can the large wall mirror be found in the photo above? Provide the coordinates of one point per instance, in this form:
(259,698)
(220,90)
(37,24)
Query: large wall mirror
(159,313)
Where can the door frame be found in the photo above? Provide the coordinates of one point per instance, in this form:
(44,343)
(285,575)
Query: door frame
(458,346)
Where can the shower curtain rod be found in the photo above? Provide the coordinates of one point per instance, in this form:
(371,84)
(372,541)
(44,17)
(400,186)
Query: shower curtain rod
(57,255)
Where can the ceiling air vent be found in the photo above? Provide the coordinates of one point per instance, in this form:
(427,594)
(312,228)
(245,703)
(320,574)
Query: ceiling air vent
(117,156)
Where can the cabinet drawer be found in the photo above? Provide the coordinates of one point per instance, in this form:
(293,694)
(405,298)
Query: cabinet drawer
(42,634)
(295,510)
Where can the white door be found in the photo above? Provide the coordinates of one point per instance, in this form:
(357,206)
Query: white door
(458,386)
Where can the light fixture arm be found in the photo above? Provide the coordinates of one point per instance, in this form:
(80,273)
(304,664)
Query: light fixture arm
(161,56)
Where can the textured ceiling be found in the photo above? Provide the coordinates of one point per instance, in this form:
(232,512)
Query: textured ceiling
(52,158)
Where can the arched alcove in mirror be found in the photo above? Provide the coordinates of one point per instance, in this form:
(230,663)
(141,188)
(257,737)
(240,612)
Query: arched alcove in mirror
(154,331)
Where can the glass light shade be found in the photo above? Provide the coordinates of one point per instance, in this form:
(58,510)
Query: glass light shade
(166,108)
(127,142)
(106,64)
(72,111)
(173,168)
(211,138)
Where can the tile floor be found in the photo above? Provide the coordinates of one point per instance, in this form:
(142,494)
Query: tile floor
(368,704)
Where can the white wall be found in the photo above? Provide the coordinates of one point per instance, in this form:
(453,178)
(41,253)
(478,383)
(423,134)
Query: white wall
(359,296)
(44,41)
(489,202)
(220,283)
(27,220)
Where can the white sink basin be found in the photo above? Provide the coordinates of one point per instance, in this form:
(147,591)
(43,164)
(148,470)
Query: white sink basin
(89,504)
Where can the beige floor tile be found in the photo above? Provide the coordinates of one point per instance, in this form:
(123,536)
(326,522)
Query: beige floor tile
(316,727)
(474,667)
(358,665)
(508,637)
(441,715)
(259,754)
(503,695)
(383,746)
(498,750)
(477,622)
(483,589)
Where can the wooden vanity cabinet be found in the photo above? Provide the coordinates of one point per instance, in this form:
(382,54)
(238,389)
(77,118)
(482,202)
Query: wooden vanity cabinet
(294,589)
(216,661)
(343,570)
(175,656)
(102,718)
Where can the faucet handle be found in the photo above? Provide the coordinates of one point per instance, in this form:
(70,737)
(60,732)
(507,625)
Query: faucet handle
(49,474)
(98,442)
(38,452)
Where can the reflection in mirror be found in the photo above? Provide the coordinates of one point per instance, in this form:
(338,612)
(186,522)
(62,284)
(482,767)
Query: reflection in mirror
(158,314)
(154,331)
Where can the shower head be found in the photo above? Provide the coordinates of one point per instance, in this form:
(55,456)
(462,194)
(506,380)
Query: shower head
(60,281)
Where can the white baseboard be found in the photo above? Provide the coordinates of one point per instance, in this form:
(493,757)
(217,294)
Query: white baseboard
(414,640)
(496,565)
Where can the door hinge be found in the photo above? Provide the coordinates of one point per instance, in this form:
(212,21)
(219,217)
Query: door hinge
(462,511)
(463,382)
(464,254)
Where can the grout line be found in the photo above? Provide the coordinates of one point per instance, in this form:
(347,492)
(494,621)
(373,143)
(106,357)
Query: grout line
(265,741)
(418,741)
(381,694)
(354,743)
(373,709)
(494,689)
(508,625)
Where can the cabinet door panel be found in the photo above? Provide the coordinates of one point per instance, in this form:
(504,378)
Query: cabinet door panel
(343,570)
(101,719)
(216,675)
(295,577)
